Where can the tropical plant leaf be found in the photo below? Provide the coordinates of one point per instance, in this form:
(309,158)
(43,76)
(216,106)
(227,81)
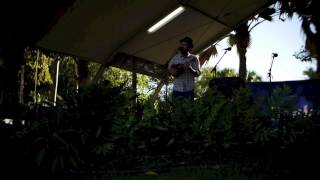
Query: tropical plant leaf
(40,156)
(54,164)
(206,55)
(61,162)
(170,142)
(232,40)
(98,131)
(267,14)
(151,173)
(59,138)
(73,162)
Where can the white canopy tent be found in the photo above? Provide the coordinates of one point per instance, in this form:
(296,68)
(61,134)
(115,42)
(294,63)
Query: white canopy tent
(116,32)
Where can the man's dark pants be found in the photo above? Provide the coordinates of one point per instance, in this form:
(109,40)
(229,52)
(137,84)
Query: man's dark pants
(183,95)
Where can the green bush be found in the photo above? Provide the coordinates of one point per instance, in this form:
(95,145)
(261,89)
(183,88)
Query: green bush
(76,133)
(96,130)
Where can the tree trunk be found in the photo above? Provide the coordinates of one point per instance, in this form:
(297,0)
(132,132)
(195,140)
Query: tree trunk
(13,59)
(242,63)
(243,41)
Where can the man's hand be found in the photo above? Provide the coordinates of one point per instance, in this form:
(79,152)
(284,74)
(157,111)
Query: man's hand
(193,71)
(179,66)
(178,69)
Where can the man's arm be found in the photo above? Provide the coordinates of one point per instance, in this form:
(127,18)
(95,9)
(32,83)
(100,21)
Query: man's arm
(175,69)
(195,67)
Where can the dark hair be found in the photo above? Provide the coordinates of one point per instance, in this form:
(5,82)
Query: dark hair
(187,40)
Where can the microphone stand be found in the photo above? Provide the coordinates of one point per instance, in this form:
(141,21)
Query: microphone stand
(215,67)
(269,73)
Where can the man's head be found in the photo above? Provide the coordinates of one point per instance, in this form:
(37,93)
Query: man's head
(186,43)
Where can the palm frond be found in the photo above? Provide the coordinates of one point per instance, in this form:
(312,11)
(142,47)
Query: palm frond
(310,41)
(311,47)
(267,14)
(290,14)
(206,55)
(232,40)
(286,9)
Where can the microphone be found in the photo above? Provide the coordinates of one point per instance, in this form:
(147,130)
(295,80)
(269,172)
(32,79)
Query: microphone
(227,49)
(274,54)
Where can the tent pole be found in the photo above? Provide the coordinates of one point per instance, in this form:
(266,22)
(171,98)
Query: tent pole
(21,88)
(56,85)
(36,78)
(134,86)
(100,72)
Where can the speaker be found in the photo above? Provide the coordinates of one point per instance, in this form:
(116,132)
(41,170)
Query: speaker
(226,85)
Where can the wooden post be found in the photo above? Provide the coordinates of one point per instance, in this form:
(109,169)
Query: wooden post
(157,91)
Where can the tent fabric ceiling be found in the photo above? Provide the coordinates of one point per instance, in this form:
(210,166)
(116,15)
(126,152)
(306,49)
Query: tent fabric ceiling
(96,30)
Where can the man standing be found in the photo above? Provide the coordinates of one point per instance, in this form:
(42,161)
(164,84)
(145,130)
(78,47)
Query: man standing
(184,67)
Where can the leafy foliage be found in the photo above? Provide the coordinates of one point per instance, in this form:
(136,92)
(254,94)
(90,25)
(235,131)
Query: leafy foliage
(96,129)
(304,55)
(308,13)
